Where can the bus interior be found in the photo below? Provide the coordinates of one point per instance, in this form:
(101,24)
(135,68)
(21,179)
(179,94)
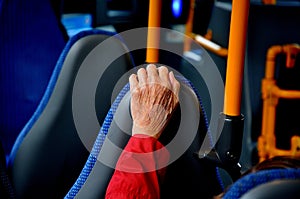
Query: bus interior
(64,68)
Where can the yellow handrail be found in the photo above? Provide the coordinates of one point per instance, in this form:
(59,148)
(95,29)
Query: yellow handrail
(270,94)
(153,37)
(236,56)
(211,46)
(203,41)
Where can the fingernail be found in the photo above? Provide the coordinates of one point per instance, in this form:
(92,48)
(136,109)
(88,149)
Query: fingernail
(151,65)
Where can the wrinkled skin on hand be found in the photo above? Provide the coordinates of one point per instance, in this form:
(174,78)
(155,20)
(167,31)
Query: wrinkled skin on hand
(154,97)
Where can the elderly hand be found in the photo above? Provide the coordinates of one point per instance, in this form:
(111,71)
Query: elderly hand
(154,97)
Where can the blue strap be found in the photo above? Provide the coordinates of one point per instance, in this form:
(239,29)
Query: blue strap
(97,146)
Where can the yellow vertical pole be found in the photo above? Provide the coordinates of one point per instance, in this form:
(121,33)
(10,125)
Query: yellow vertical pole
(153,37)
(236,57)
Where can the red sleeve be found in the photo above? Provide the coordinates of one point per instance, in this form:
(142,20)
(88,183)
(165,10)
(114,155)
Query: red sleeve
(139,170)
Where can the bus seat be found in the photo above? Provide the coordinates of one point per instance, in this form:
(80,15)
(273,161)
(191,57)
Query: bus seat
(276,190)
(187,176)
(49,153)
(249,182)
(30,43)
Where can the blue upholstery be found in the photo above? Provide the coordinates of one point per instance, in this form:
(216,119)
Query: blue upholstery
(43,102)
(252,180)
(277,189)
(30,43)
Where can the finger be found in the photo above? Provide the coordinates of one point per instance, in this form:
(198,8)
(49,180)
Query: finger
(133,82)
(142,76)
(175,84)
(164,76)
(152,73)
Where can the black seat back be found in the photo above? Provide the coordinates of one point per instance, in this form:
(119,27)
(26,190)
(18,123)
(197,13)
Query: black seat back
(53,147)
